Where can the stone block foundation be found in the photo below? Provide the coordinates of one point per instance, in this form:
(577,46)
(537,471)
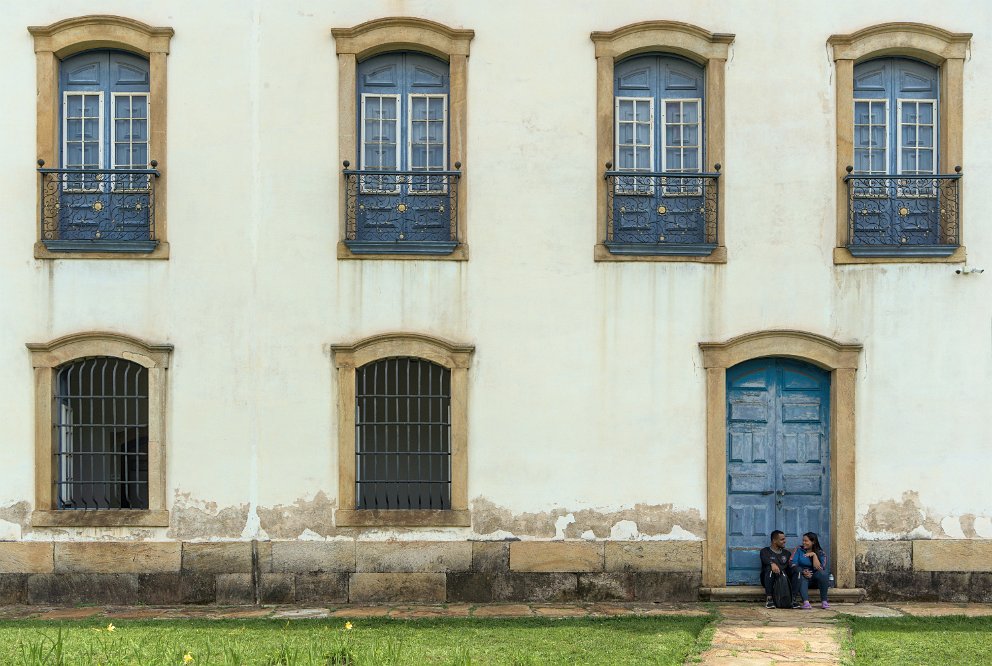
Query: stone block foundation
(355,571)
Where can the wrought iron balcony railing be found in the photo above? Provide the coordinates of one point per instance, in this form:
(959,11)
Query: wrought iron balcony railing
(662,212)
(899,215)
(98,210)
(398,212)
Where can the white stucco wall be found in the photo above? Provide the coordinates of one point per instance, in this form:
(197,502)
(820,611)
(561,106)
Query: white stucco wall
(586,390)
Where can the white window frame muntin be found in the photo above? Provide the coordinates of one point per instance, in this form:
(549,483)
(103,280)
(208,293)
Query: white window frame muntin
(681,191)
(409,139)
(885,115)
(905,191)
(637,191)
(113,134)
(66,186)
(934,124)
(870,192)
(363,187)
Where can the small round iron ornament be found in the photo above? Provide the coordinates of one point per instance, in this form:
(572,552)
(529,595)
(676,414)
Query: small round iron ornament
(903,212)
(401,208)
(98,206)
(662,210)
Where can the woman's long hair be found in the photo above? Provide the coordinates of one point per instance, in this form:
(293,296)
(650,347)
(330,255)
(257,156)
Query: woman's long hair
(816,541)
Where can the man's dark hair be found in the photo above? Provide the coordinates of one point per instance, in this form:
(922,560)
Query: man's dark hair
(774,534)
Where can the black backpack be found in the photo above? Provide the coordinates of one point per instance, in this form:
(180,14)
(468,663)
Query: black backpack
(781,595)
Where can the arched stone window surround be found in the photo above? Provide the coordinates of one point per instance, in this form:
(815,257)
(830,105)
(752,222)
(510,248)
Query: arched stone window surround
(57,41)
(455,357)
(701,46)
(399,33)
(841,360)
(946,50)
(45,358)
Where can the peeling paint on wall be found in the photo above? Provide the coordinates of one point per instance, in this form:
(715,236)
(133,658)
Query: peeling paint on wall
(197,519)
(303,516)
(14,521)
(909,519)
(642,521)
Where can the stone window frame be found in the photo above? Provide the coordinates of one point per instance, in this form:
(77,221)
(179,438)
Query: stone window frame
(55,42)
(710,50)
(457,358)
(45,358)
(933,45)
(400,33)
(841,360)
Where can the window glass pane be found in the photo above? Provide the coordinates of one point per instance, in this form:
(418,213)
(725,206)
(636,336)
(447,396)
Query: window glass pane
(643,111)
(909,112)
(139,106)
(419,108)
(644,159)
(878,114)
(689,160)
(909,136)
(877,164)
(690,112)
(435,111)
(139,155)
(139,130)
(625,158)
(672,112)
(388,111)
(91,155)
(122,154)
(91,130)
(122,128)
(673,135)
(861,113)
(74,130)
(625,110)
(673,159)
(925,136)
(862,160)
(419,130)
(73,105)
(643,134)
(879,137)
(690,135)
(73,154)
(925,163)
(909,160)
(418,156)
(926,114)
(436,157)
(626,133)
(436,133)
(91,106)
(122,107)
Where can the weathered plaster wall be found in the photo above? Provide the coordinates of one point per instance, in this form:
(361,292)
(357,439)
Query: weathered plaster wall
(586,391)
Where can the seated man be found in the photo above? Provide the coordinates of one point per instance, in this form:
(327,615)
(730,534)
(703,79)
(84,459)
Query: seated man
(775,559)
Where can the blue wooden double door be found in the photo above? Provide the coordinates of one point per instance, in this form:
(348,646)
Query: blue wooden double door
(778,459)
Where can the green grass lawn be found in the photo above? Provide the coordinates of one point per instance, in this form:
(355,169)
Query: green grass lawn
(922,640)
(628,640)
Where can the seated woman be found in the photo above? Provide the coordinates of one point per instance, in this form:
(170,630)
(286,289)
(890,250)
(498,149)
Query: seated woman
(812,563)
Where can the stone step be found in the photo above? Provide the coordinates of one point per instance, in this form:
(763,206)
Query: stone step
(757,593)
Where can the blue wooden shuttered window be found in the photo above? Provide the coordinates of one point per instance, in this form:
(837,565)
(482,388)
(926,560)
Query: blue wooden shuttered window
(402,197)
(661,201)
(100,197)
(899,202)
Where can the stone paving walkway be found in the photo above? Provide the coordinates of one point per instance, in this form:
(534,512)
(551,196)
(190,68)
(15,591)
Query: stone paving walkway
(746,634)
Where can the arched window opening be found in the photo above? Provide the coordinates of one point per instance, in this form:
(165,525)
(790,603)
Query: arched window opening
(100,421)
(403,435)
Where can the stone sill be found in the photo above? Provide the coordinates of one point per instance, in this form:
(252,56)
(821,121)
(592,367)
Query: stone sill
(843,256)
(402,518)
(161,251)
(100,518)
(460,253)
(718,256)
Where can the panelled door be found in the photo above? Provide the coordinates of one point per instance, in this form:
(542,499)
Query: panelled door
(778,460)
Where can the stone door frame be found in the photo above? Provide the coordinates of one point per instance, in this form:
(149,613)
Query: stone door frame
(841,360)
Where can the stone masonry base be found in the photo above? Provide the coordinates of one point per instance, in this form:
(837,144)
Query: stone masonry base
(350,571)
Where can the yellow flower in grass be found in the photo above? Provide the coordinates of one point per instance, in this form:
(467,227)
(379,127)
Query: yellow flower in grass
(347,626)
(187,658)
(111,627)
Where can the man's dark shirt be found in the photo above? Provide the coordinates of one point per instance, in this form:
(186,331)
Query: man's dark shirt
(780,558)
